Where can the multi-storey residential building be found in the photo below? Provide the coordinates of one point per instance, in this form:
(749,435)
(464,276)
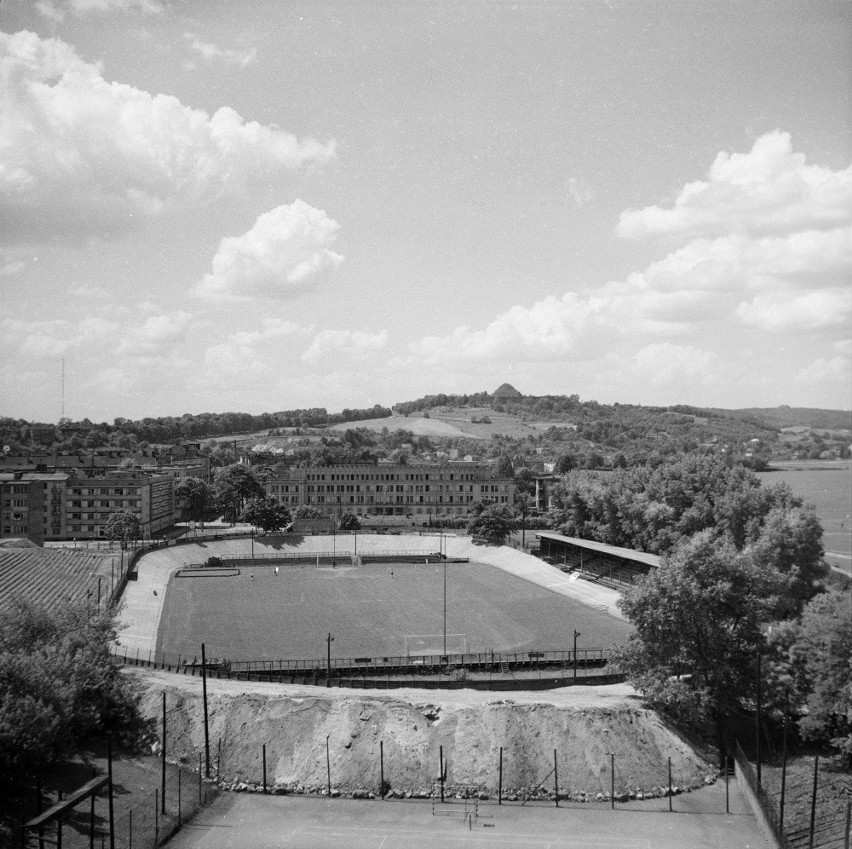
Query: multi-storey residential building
(389,489)
(21,507)
(89,502)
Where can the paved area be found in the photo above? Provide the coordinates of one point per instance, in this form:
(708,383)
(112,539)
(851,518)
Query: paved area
(286,822)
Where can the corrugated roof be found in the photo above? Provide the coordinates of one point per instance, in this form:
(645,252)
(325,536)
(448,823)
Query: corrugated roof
(652,560)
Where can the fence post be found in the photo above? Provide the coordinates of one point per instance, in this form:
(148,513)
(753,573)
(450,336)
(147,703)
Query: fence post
(156,817)
(179,794)
(670,785)
(727,779)
(500,780)
(219,761)
(264,768)
(382,769)
(783,778)
(612,780)
(846,833)
(813,803)
(130,829)
(206,726)
(199,779)
(441,768)
(555,779)
(328,764)
(92,818)
(109,784)
(163,768)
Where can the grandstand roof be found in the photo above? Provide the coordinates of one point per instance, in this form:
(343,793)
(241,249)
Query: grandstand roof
(652,560)
(50,577)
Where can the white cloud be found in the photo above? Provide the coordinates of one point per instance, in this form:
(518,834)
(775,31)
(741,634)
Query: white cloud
(830,372)
(9,266)
(106,337)
(766,248)
(348,344)
(279,257)
(85,155)
(580,193)
(784,312)
(155,333)
(56,10)
(770,190)
(211,52)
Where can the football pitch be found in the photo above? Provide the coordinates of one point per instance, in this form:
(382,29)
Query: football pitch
(254,613)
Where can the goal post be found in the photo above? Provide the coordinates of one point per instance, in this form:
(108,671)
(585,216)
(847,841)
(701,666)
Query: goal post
(421,645)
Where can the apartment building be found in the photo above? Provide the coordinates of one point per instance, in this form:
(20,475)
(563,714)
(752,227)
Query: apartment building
(21,507)
(391,489)
(90,501)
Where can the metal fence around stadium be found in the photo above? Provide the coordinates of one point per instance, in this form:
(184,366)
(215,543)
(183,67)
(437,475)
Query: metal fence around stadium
(484,670)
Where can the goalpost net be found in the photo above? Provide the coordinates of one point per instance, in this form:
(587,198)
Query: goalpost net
(421,645)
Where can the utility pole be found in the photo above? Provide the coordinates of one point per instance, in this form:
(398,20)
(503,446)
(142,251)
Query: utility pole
(576,634)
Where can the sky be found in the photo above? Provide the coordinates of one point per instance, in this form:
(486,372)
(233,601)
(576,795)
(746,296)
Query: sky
(258,206)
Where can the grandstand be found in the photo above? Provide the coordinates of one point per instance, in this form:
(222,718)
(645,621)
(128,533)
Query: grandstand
(54,577)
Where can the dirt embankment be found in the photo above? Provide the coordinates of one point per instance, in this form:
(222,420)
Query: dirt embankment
(583,724)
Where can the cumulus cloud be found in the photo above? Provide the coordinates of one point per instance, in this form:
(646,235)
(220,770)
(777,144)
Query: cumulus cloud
(212,52)
(280,256)
(345,343)
(769,190)
(155,335)
(85,155)
(56,10)
(765,248)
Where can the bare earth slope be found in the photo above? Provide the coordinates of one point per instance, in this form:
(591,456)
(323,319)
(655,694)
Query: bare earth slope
(583,724)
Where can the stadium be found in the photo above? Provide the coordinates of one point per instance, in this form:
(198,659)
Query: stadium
(305,601)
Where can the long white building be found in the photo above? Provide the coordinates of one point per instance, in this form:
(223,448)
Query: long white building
(392,489)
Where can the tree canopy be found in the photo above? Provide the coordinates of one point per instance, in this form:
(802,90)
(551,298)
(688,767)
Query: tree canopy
(123,526)
(493,524)
(265,513)
(698,621)
(59,684)
(233,486)
(349,522)
(655,509)
(197,493)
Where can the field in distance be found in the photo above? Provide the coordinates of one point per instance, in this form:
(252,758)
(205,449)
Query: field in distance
(369,610)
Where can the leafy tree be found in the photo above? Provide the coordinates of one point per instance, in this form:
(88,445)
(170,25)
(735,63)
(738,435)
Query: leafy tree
(824,647)
(505,468)
(265,513)
(564,464)
(58,684)
(698,621)
(233,486)
(493,524)
(123,526)
(199,495)
(306,511)
(349,522)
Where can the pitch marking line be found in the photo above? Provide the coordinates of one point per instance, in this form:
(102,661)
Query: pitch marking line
(514,839)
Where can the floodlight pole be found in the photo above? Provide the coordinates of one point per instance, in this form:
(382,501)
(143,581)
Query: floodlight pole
(445,607)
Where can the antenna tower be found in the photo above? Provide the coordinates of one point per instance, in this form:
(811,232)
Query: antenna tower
(62,416)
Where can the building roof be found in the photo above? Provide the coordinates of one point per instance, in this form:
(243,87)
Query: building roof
(652,560)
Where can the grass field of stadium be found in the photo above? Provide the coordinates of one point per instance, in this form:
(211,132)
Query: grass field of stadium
(254,613)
